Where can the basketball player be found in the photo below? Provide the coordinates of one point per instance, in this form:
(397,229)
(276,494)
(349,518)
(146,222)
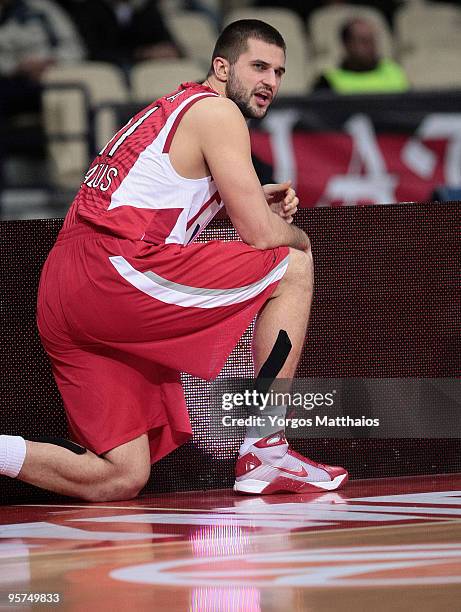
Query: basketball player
(127,299)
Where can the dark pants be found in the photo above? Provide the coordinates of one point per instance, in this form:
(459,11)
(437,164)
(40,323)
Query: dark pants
(18,95)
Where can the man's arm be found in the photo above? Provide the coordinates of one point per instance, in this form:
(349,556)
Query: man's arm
(225,143)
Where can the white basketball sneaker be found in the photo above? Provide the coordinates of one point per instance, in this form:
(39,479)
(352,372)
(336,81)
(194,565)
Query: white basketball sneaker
(271,466)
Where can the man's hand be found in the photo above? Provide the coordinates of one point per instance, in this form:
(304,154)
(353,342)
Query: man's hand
(282,199)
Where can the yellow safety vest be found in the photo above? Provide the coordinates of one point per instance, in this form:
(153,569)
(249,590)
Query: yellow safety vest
(387,77)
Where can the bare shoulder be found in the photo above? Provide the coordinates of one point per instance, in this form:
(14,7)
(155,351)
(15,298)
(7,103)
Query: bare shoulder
(215,111)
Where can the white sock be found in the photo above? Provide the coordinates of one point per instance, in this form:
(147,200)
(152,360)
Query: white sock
(247,442)
(12,455)
(254,433)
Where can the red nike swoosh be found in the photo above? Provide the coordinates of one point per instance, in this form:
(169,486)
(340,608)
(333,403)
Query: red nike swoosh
(302,472)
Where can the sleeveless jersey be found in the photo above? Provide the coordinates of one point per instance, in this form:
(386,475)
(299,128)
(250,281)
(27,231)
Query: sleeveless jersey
(132,190)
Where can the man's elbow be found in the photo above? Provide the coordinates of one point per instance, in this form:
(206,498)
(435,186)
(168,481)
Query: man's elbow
(259,236)
(259,243)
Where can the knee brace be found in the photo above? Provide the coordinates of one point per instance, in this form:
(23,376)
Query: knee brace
(274,363)
(72,446)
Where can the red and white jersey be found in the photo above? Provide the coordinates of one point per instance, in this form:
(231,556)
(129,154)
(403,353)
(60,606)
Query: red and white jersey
(132,189)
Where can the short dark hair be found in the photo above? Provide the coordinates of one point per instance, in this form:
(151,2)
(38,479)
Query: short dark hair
(347,28)
(233,40)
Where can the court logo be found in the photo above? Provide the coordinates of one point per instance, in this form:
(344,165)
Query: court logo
(351,566)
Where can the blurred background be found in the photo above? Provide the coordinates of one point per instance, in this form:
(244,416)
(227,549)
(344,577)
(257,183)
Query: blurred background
(369,111)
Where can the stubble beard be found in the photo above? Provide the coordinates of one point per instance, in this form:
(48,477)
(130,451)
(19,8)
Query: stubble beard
(237,93)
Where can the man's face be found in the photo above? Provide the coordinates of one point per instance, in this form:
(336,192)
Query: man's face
(254,79)
(361,46)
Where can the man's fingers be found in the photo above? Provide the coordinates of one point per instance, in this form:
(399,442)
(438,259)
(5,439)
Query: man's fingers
(290,204)
(290,196)
(272,188)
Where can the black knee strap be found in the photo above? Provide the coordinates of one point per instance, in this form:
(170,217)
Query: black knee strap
(275,362)
(72,446)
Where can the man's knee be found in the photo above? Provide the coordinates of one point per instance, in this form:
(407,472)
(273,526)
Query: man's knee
(126,473)
(301,267)
(119,485)
(131,485)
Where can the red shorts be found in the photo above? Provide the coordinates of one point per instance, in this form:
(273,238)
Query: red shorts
(120,319)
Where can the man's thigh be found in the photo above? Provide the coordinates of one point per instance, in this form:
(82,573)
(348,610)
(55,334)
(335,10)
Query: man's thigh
(182,307)
(133,457)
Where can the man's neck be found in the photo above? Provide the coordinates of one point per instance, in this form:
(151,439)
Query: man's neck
(355,66)
(216,85)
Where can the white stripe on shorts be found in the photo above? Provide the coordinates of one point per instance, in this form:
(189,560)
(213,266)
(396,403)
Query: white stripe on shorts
(170,292)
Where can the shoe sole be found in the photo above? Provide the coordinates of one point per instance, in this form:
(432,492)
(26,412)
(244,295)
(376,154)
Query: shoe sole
(261,487)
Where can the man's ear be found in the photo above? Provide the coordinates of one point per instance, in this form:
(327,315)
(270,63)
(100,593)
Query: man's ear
(221,69)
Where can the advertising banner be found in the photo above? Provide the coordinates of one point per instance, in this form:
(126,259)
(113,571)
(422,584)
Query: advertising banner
(357,150)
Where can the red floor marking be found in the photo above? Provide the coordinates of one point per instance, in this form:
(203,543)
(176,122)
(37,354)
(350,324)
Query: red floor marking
(167,518)
(220,549)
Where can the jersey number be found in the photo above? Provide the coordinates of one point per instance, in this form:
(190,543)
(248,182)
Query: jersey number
(119,140)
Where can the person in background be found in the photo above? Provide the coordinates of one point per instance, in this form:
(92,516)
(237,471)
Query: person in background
(124,32)
(362,70)
(34,35)
(208,10)
(305,9)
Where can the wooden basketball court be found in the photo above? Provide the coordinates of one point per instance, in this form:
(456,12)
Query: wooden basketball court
(387,544)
